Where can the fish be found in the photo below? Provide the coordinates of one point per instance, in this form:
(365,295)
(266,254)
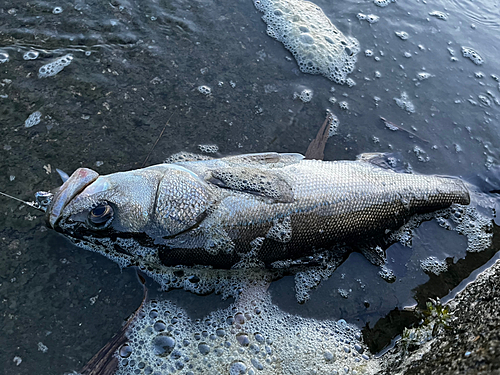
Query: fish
(245,210)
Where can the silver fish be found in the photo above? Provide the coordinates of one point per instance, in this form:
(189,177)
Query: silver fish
(261,207)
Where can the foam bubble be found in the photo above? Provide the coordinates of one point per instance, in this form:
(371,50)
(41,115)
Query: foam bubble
(387,274)
(251,336)
(370,18)
(402,34)
(383,3)
(421,154)
(281,230)
(4,57)
(33,119)
(423,75)
(472,55)
(344,105)
(305,95)
(405,103)
(51,69)
(433,265)
(465,220)
(317,45)
(208,149)
(57,10)
(184,156)
(439,15)
(334,124)
(30,55)
(205,90)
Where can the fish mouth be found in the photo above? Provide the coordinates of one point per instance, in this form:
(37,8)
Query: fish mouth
(75,184)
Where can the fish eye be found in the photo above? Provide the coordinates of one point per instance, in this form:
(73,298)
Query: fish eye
(100,215)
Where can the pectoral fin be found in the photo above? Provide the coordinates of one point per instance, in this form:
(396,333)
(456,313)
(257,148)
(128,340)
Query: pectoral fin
(253,181)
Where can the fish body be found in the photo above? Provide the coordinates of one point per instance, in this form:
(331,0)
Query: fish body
(252,209)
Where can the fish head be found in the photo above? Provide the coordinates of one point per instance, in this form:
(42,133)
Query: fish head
(150,204)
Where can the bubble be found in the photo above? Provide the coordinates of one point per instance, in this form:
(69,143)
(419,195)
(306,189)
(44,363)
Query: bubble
(125,351)
(387,274)
(383,3)
(433,265)
(183,156)
(203,348)
(344,105)
(368,53)
(267,350)
(57,10)
(31,55)
(317,45)
(51,69)
(473,56)
(350,82)
(237,368)
(343,293)
(305,95)
(403,35)
(33,119)
(370,18)
(420,154)
(160,326)
(163,345)
(405,103)
(334,124)
(208,149)
(423,75)
(205,90)
(439,15)
(281,230)
(4,57)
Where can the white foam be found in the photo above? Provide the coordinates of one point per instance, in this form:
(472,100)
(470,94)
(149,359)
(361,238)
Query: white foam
(472,55)
(383,3)
(51,69)
(33,119)
(4,57)
(405,103)
(205,90)
(208,149)
(370,18)
(305,95)
(434,265)
(30,55)
(317,45)
(252,336)
(439,15)
(423,75)
(402,34)
(334,124)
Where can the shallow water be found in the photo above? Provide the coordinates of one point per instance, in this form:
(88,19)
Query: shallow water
(137,64)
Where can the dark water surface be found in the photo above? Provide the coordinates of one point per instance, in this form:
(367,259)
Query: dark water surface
(136,63)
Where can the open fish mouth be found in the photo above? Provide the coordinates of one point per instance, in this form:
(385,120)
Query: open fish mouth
(78,181)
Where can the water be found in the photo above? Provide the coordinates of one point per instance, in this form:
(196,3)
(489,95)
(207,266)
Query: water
(136,63)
